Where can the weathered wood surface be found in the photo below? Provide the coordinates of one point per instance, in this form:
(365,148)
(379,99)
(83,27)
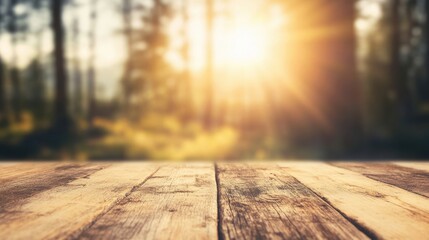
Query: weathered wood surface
(416,165)
(411,179)
(64,210)
(17,185)
(263,202)
(177,202)
(383,210)
(272,200)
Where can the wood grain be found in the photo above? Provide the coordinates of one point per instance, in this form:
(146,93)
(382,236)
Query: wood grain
(11,171)
(177,202)
(63,211)
(20,182)
(2,164)
(424,166)
(134,200)
(265,202)
(410,179)
(384,210)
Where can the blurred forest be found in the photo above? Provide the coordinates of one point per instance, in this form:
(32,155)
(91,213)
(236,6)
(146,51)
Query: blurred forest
(214,79)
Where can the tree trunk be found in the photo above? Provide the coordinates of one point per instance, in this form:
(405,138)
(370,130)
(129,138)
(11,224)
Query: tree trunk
(427,39)
(186,77)
(126,79)
(324,113)
(3,111)
(208,110)
(3,107)
(77,72)
(37,90)
(403,101)
(349,103)
(91,69)
(15,75)
(61,100)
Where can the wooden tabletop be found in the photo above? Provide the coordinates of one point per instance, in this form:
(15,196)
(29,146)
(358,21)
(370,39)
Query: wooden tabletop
(271,200)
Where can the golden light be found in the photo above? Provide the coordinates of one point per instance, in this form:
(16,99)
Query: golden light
(246,41)
(241,39)
(244,46)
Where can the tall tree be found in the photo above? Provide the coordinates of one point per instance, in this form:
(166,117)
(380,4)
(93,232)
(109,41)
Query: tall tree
(150,85)
(398,71)
(127,10)
(91,67)
(61,96)
(3,107)
(324,113)
(186,77)
(208,109)
(36,82)
(350,114)
(77,71)
(427,38)
(14,29)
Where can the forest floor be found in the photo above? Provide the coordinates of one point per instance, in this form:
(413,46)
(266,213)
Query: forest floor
(166,138)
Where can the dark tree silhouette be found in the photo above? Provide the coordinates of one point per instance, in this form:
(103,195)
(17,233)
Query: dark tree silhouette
(127,16)
(14,29)
(91,68)
(3,107)
(77,71)
(427,37)
(400,86)
(61,96)
(36,84)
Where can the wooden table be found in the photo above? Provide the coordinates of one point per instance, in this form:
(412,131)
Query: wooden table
(271,200)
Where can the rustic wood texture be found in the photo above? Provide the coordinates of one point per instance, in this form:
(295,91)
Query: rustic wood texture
(65,209)
(177,202)
(17,184)
(411,179)
(11,171)
(270,200)
(382,210)
(260,202)
(424,166)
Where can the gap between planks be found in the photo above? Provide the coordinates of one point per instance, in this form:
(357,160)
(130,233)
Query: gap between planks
(265,202)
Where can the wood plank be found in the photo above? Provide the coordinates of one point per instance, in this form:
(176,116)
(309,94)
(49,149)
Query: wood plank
(7,163)
(384,210)
(265,202)
(177,202)
(64,211)
(410,179)
(26,180)
(424,166)
(15,170)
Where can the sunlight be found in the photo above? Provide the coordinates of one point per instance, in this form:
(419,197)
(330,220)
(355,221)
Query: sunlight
(247,45)
(240,40)
(369,13)
(244,45)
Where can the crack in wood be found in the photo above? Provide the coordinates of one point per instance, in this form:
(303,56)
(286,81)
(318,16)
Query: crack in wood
(81,233)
